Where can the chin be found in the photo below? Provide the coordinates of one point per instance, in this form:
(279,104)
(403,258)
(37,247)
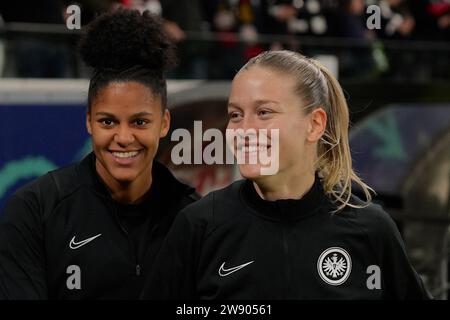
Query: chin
(250,171)
(124,177)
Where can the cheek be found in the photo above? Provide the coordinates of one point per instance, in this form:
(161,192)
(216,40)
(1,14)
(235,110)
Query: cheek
(149,138)
(286,129)
(233,126)
(100,138)
(292,137)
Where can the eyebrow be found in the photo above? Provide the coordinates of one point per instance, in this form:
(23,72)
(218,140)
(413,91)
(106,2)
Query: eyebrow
(141,114)
(231,104)
(266,101)
(257,102)
(136,115)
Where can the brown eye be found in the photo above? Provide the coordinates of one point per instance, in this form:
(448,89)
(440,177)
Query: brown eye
(263,113)
(234,115)
(141,122)
(106,122)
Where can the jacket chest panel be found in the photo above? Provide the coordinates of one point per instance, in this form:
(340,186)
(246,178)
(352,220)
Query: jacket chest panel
(261,259)
(86,249)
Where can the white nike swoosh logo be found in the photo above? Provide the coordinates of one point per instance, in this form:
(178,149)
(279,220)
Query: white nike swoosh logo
(225,272)
(76,245)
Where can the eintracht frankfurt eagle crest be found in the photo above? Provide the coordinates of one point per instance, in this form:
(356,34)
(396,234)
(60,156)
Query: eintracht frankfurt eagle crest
(334,266)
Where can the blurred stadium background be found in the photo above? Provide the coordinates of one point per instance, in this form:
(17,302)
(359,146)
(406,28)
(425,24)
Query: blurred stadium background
(396,78)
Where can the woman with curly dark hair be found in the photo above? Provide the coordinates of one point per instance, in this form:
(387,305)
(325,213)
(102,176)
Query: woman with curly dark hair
(92,230)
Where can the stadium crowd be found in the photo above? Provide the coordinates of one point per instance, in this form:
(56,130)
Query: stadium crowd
(215,37)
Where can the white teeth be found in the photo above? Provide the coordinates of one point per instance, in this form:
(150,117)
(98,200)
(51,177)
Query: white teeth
(254,148)
(125,154)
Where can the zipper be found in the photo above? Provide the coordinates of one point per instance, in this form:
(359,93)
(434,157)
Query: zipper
(284,223)
(286,259)
(109,199)
(138,270)
(130,242)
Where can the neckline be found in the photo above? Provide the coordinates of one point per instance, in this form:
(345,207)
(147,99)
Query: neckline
(284,209)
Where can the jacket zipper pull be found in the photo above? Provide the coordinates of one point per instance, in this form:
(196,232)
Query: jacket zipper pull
(138,270)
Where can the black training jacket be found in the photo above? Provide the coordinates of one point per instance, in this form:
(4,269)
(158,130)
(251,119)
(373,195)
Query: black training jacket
(234,245)
(61,238)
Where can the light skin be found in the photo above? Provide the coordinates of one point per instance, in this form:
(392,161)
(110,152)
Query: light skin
(262,98)
(126,117)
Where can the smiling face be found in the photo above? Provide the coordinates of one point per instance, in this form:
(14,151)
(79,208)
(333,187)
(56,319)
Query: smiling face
(126,122)
(261,98)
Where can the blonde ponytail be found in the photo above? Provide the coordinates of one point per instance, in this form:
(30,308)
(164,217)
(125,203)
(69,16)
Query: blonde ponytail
(335,162)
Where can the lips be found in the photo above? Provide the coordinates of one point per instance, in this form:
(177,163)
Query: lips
(253,148)
(125,157)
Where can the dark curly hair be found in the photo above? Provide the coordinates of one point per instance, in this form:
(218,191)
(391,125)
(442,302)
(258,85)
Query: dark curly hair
(125,45)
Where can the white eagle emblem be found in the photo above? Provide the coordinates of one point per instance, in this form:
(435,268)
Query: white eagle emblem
(334,266)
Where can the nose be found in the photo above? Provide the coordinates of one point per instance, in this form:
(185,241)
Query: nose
(124,136)
(247,122)
(247,129)
(251,125)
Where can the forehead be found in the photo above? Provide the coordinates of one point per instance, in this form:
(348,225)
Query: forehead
(125,97)
(262,83)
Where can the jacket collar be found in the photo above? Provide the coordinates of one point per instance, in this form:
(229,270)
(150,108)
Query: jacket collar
(286,209)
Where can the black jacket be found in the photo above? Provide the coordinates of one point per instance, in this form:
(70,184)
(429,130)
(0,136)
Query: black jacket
(61,236)
(234,245)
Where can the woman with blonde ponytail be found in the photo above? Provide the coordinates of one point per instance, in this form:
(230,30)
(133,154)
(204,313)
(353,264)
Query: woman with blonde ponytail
(298,232)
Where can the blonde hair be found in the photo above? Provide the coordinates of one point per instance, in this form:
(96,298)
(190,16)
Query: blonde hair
(317,87)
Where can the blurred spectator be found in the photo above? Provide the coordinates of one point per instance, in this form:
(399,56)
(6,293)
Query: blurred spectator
(91,8)
(277,14)
(397,21)
(440,11)
(35,57)
(183,16)
(180,18)
(348,21)
(304,17)
(310,20)
(2,49)
(431,19)
(233,20)
(298,18)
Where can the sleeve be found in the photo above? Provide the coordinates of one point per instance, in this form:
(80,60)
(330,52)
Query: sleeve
(400,281)
(22,259)
(174,272)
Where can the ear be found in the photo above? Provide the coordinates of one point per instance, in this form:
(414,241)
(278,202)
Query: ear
(317,124)
(165,124)
(88,123)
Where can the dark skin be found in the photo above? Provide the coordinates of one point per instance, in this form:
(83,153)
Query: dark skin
(126,122)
